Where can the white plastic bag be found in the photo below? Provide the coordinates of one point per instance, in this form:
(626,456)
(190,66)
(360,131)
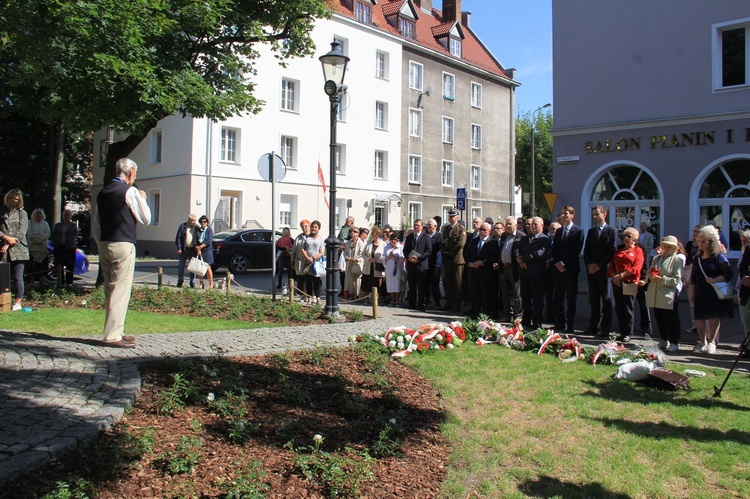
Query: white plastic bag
(635,371)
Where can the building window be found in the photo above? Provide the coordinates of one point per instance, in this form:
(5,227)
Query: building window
(378,216)
(455,47)
(381,65)
(154,202)
(340,155)
(415,76)
(381,165)
(287,210)
(731,50)
(289,95)
(476,177)
(414,212)
(289,151)
(476,95)
(447,130)
(476,212)
(406,27)
(445,209)
(381,115)
(724,198)
(449,86)
(415,123)
(631,196)
(343,44)
(476,136)
(363,13)
(415,169)
(156,146)
(229,144)
(447,174)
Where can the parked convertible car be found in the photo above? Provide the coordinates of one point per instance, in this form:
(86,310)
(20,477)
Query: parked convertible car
(240,251)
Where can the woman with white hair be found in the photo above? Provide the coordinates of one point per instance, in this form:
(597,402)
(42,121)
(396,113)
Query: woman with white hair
(38,234)
(625,271)
(709,266)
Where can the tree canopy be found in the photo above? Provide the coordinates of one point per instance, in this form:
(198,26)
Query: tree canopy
(542,159)
(89,64)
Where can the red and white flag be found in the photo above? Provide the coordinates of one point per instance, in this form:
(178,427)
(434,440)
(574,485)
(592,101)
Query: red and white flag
(323,184)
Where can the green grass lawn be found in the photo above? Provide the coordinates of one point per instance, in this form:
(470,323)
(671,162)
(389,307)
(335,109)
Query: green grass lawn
(525,425)
(74,322)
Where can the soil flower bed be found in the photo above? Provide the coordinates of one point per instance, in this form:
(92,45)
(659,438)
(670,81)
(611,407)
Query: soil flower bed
(319,423)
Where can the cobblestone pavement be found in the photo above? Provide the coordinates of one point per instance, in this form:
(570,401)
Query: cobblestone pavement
(58,392)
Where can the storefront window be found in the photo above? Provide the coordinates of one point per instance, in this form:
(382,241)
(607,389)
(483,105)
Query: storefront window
(631,196)
(724,200)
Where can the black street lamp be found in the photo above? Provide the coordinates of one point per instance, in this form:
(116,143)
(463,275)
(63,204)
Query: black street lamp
(334,70)
(533,172)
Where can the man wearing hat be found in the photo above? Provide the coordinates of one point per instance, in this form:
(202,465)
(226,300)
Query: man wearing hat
(454,240)
(664,276)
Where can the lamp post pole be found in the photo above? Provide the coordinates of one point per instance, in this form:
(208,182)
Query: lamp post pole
(533,159)
(334,70)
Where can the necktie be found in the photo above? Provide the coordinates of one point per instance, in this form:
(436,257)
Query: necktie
(565,234)
(479,246)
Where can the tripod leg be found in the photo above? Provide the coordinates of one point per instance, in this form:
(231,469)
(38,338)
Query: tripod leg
(744,346)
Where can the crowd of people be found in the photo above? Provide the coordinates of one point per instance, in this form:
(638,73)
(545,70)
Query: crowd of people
(519,270)
(528,271)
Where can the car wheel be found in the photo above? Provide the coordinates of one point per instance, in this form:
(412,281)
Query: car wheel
(238,264)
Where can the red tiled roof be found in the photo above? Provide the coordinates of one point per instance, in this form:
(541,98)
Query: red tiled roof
(442,29)
(427,28)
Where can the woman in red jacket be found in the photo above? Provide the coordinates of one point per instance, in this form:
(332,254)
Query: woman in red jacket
(625,271)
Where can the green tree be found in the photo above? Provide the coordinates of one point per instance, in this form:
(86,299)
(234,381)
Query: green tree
(542,159)
(83,65)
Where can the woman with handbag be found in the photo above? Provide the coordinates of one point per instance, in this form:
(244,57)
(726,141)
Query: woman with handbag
(313,252)
(710,267)
(13,246)
(664,276)
(373,267)
(204,248)
(625,270)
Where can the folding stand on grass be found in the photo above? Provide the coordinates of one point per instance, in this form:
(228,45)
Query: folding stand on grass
(744,347)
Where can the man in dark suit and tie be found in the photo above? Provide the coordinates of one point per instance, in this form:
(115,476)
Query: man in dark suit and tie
(417,251)
(565,251)
(533,252)
(510,284)
(435,262)
(601,241)
(481,256)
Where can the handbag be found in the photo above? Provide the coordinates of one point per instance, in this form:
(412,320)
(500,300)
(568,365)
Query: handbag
(628,288)
(724,290)
(665,379)
(198,266)
(319,267)
(380,267)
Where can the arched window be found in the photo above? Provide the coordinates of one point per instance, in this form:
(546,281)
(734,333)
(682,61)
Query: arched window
(631,195)
(724,199)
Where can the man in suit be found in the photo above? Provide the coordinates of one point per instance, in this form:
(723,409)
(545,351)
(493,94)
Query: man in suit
(417,251)
(533,252)
(566,249)
(481,256)
(510,284)
(454,240)
(435,262)
(601,241)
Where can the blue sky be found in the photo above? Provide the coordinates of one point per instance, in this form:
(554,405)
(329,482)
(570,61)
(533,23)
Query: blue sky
(519,35)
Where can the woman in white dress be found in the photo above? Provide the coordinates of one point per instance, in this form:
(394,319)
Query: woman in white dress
(393,258)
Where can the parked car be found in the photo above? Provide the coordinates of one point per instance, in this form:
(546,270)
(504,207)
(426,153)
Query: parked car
(240,251)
